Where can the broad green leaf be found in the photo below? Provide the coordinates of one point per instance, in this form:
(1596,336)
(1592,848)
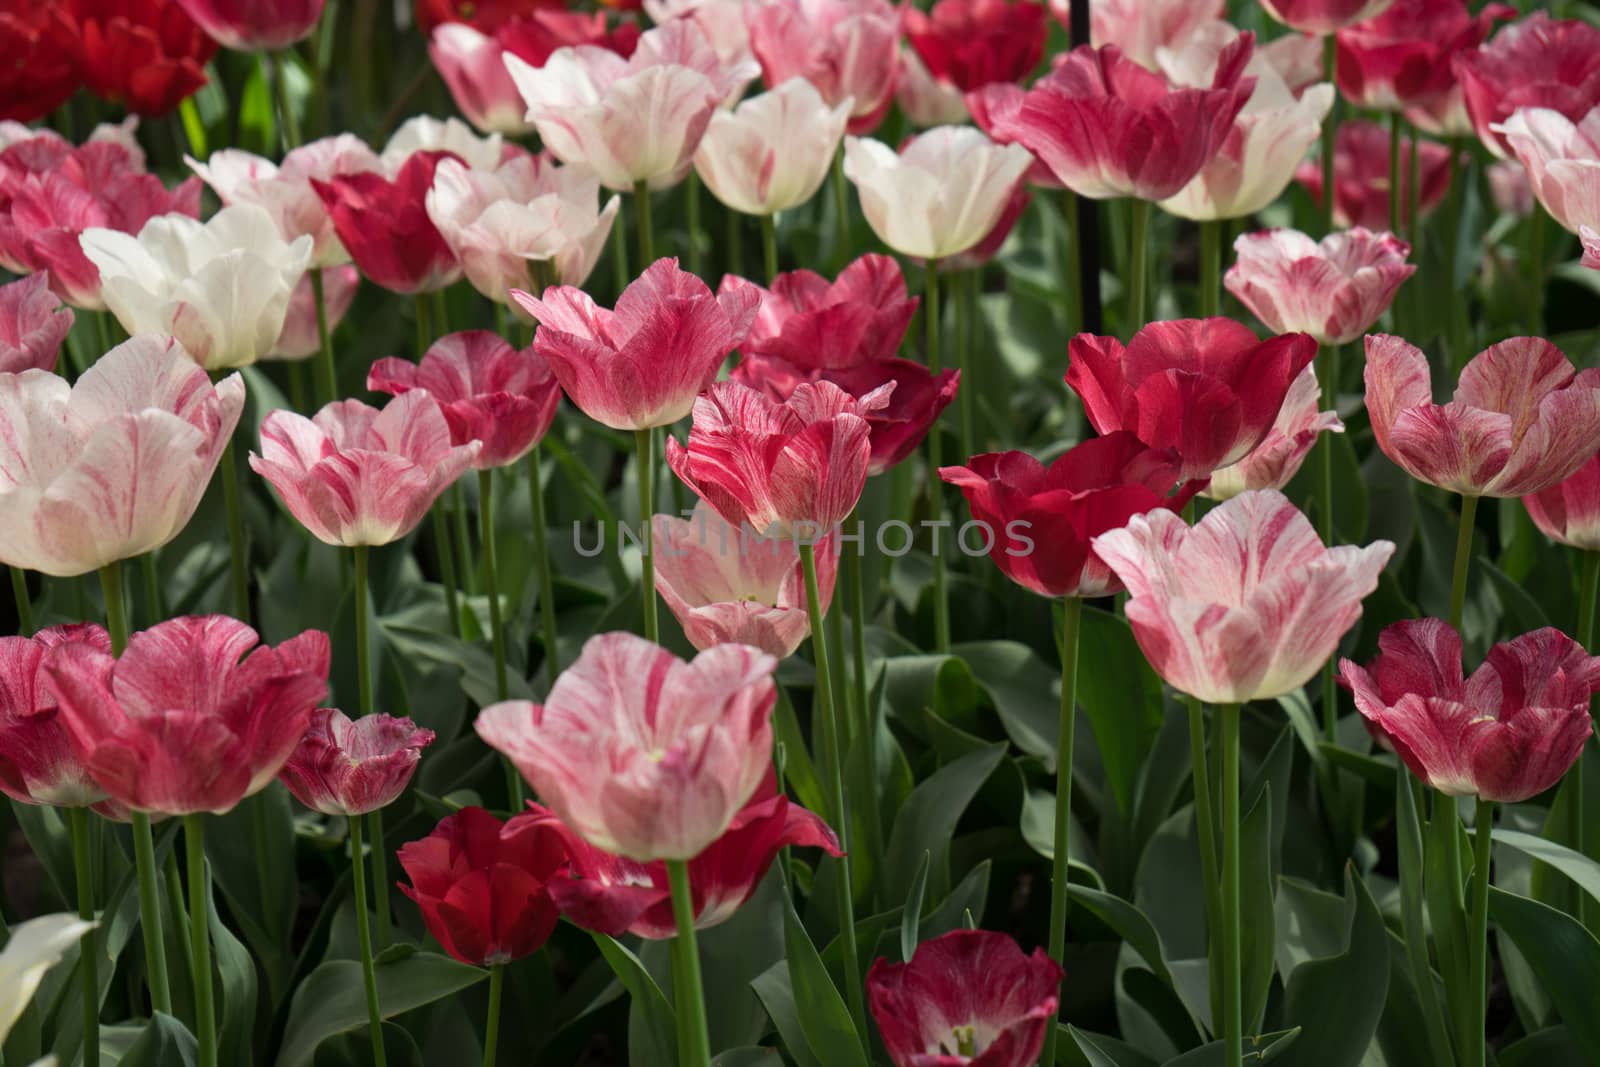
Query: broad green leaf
(1551,1047)
(824,1019)
(911,915)
(777,996)
(1129,922)
(1337,1000)
(1256,936)
(1121,696)
(659,1017)
(1581,869)
(1564,955)
(927,820)
(1097,1050)
(1373,770)
(251,851)
(1024,690)
(1263,1049)
(164,1042)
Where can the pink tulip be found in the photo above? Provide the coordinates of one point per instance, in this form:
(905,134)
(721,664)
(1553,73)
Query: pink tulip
(113,466)
(1506,734)
(185,721)
(253,26)
(1521,419)
(1106,127)
(640,753)
(300,338)
(1322,17)
(1206,388)
(1536,61)
(355,475)
(424,133)
(772,152)
(384,225)
(1276,460)
(1402,56)
(924,100)
(1562,158)
(350,768)
(488,392)
(806,320)
(1591,247)
(1334,289)
(968,44)
(722,22)
(37,764)
(32,325)
(794,468)
(643,364)
(727,586)
(1141,28)
(1569,511)
(1246,605)
(1361,176)
(1510,188)
(846,48)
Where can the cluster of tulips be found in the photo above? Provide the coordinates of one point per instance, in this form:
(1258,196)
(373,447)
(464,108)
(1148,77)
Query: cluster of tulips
(652,798)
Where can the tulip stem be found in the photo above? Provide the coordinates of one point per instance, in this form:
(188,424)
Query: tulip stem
(1328,364)
(1408,802)
(1463,564)
(19,589)
(1072,262)
(491,578)
(641,207)
(1413,190)
(769,249)
(491,1025)
(1232,982)
(645,447)
(369,976)
(1206,830)
(1138,263)
(200,938)
(841,211)
(155,951)
(1066,736)
(330,373)
(1210,268)
(932,325)
(694,1039)
(1577,806)
(868,719)
(691,196)
(239,565)
(89,952)
(380,888)
(1536,270)
(828,714)
(1478,1050)
(380,879)
(288,123)
(967,394)
(458,520)
(1330,130)
(541,552)
(619,257)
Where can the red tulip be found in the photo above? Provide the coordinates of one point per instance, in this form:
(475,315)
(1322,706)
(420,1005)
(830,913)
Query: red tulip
(1206,388)
(1569,511)
(385,227)
(1106,127)
(643,364)
(617,896)
(1361,176)
(1402,57)
(342,767)
(483,885)
(969,997)
(1323,17)
(488,391)
(1333,289)
(147,55)
(1040,519)
(972,43)
(1521,419)
(1506,734)
(254,25)
(483,15)
(809,321)
(185,722)
(791,468)
(32,325)
(1537,61)
(37,764)
(40,73)
(1274,462)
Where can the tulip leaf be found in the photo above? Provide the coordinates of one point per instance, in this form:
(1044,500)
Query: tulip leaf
(1121,696)
(1522,612)
(251,850)
(1257,932)
(237,970)
(1131,924)
(824,1019)
(927,821)
(353,1048)
(911,915)
(1563,954)
(164,1042)
(1337,999)
(1097,1050)
(659,1018)
(1576,866)
(1263,1049)
(777,996)
(1372,770)
(1023,690)
(748,1056)
(1551,1047)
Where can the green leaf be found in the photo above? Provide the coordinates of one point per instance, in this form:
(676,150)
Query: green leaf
(777,996)
(1024,690)
(1337,1000)
(911,915)
(927,820)
(1373,770)
(1522,611)
(1262,1049)
(1564,955)
(1256,936)
(251,850)
(164,1042)
(1551,1047)
(660,1020)
(237,971)
(824,1019)
(1131,924)
(1581,869)
(1100,1051)
(748,1056)
(1121,696)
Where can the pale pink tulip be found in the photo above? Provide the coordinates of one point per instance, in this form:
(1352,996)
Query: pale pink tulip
(424,133)
(32,325)
(355,475)
(1246,605)
(1276,460)
(926,100)
(1142,27)
(1509,188)
(772,152)
(1562,158)
(846,48)
(1334,289)
(473,67)
(640,753)
(113,466)
(1591,247)
(722,21)
(299,338)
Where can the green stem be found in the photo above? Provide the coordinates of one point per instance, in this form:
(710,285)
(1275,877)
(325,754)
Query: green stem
(733,237)
(769,249)
(1408,793)
(330,372)
(1413,186)
(1578,808)
(641,207)
(491,1023)
(691,195)
(116,606)
(967,396)
(1232,982)
(867,720)
(843,689)
(19,589)
(1463,564)
(1458,304)
(458,519)
(1328,364)
(363,652)
(447,565)
(1396,203)
(369,976)
(841,211)
(1478,945)
(1447,911)
(288,122)
(1330,131)
(1206,830)
(155,951)
(1536,271)
(239,564)
(932,324)
(828,714)
(1138,263)
(1210,269)
(541,552)
(645,448)
(619,255)
(200,938)
(194,131)
(152,587)
(89,952)
(1071,625)
(380,879)
(497,637)
(688,993)
(1072,265)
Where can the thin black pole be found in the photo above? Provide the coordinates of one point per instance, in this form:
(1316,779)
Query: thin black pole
(1088,250)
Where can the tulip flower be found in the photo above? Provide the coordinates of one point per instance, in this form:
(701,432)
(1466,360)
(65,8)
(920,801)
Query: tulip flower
(1321,17)
(1141,28)
(184,721)
(1522,419)
(487,391)
(940,195)
(1510,188)
(1402,56)
(1505,734)
(285,190)
(630,120)
(640,753)
(722,22)
(618,896)
(772,152)
(253,26)
(1536,61)
(968,44)
(42,73)
(299,338)
(33,948)
(967,997)
(728,586)
(1562,158)
(793,468)
(1277,459)
(486,16)
(483,886)
(1040,520)
(37,764)
(358,476)
(221,287)
(1361,176)
(642,365)
(385,227)
(349,768)
(1569,511)
(1591,247)
(423,133)
(32,325)
(924,100)
(846,48)
(1246,605)
(992,242)
(147,55)
(808,321)
(1443,116)
(1334,289)
(113,466)
(1207,388)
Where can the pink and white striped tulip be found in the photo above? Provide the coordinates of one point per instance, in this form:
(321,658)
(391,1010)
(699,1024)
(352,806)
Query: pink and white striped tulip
(32,325)
(1334,289)
(1246,605)
(1562,158)
(355,475)
(473,67)
(1322,17)
(722,21)
(1522,419)
(640,753)
(112,466)
(37,764)
(846,48)
(772,152)
(1276,460)
(1569,511)
(344,767)
(1141,28)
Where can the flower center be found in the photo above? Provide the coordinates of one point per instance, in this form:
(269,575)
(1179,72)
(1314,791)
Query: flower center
(966,1040)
